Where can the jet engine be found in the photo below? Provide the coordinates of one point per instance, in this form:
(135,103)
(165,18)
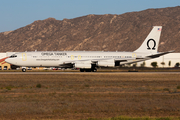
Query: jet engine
(80,65)
(108,63)
(84,65)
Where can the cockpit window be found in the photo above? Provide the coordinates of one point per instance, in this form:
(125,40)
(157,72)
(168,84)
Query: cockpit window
(13,56)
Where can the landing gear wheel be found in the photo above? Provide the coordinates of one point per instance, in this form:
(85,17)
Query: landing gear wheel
(94,70)
(81,70)
(24,70)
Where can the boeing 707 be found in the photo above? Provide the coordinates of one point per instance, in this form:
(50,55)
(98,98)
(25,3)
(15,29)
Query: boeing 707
(90,60)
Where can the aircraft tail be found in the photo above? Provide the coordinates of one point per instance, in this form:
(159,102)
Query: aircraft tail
(150,44)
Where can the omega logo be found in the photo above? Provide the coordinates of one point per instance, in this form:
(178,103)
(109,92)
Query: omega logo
(153,47)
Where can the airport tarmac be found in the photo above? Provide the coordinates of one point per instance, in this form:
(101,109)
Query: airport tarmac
(89,73)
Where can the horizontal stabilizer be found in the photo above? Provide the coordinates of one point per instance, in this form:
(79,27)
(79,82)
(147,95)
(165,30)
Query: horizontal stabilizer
(159,54)
(146,58)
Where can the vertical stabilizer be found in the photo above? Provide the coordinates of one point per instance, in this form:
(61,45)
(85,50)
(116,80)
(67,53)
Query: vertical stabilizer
(151,43)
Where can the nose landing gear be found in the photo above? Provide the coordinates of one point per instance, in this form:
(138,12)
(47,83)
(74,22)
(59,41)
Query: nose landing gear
(23,69)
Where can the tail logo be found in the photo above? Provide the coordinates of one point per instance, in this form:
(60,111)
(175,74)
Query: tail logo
(153,48)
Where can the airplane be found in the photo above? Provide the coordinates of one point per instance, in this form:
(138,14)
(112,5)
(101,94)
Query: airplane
(89,61)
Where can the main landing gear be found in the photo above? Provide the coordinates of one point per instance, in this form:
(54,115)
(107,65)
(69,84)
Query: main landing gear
(23,69)
(88,70)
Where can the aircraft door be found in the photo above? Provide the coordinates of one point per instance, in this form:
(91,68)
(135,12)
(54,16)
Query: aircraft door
(24,57)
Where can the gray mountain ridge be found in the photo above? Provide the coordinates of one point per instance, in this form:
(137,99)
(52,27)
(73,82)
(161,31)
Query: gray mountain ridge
(108,32)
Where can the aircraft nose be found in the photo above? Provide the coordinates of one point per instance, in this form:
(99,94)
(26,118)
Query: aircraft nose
(8,60)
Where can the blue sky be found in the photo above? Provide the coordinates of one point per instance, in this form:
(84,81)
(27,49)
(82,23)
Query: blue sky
(19,13)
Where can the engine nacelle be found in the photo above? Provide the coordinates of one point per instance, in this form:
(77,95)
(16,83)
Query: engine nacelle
(84,65)
(109,63)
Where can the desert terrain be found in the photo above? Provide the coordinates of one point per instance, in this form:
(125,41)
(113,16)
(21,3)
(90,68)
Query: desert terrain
(89,96)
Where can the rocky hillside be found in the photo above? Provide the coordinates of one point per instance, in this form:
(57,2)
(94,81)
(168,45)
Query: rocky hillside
(107,32)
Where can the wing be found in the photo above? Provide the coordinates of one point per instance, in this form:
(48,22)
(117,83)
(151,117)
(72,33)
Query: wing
(107,62)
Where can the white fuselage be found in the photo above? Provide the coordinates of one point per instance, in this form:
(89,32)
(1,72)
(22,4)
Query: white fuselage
(56,58)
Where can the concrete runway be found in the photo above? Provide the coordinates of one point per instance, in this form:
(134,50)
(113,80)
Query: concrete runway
(37,73)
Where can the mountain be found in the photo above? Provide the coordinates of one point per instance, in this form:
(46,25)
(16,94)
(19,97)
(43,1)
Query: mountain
(107,32)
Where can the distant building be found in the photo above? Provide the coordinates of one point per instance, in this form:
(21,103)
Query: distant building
(3,64)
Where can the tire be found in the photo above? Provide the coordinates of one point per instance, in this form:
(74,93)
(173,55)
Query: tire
(94,70)
(81,70)
(24,70)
